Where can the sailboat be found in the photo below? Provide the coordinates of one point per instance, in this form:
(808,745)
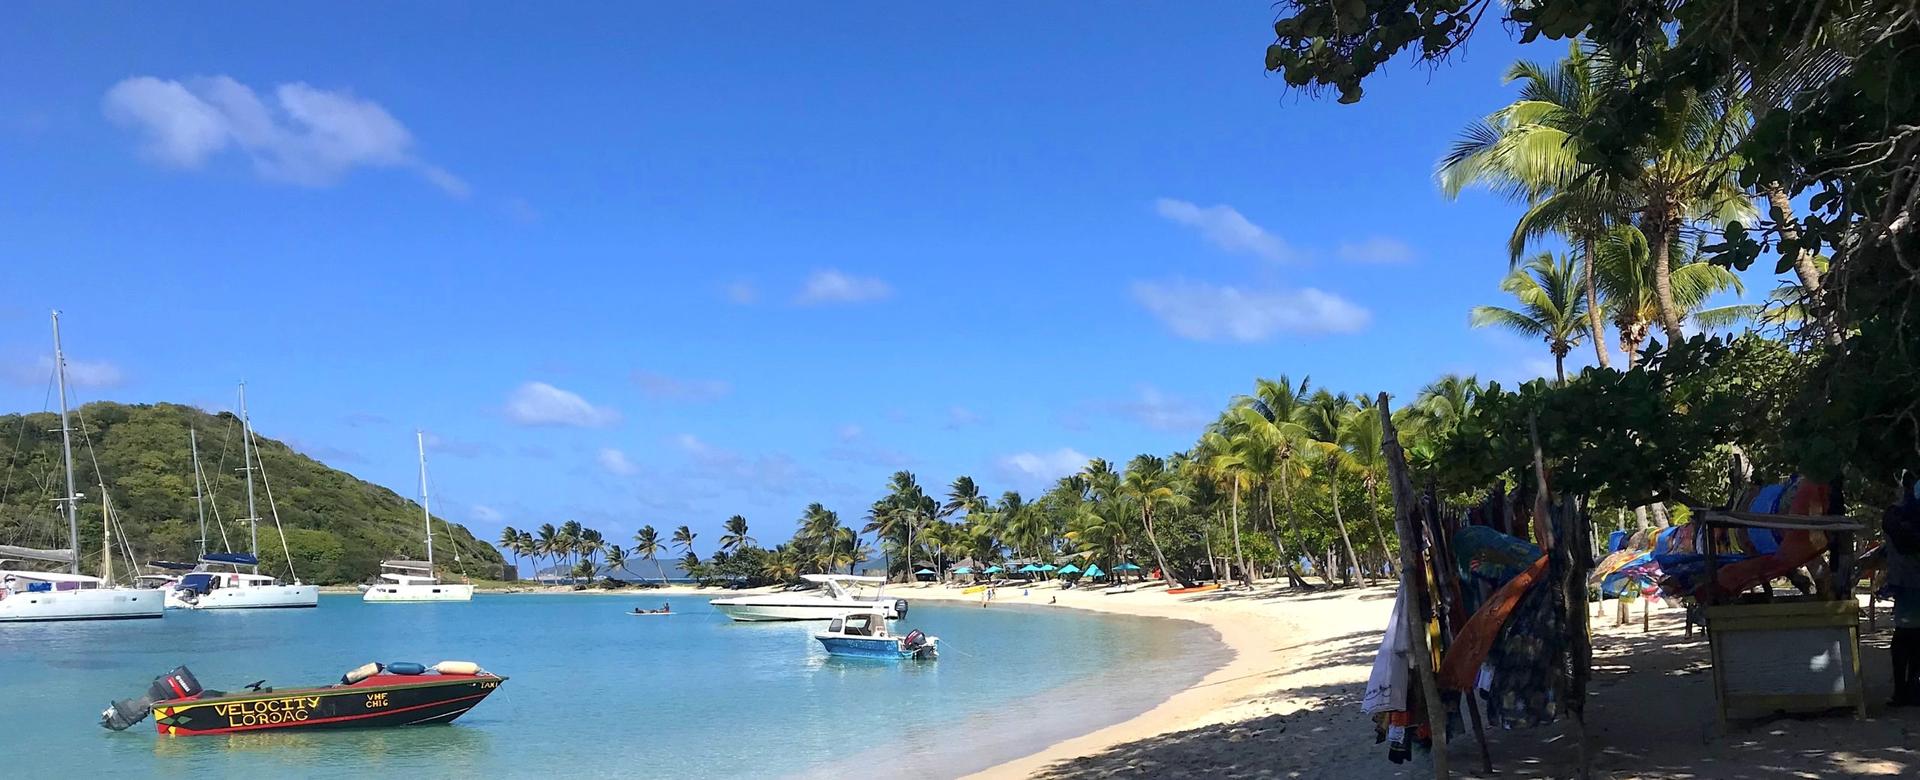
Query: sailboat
(28,595)
(209,588)
(414,580)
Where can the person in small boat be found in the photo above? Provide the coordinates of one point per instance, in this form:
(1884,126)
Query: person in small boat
(665,607)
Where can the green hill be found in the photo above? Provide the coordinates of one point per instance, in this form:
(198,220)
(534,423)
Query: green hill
(338,527)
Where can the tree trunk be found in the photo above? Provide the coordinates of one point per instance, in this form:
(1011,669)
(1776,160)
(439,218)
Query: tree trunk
(1803,267)
(1166,574)
(1640,518)
(1373,511)
(1593,306)
(1245,573)
(1346,543)
(1287,563)
(1662,240)
(1560,366)
(1660,515)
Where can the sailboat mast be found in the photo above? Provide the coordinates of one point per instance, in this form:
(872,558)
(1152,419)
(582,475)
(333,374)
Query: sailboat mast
(199,502)
(246,454)
(426,505)
(66,448)
(106,537)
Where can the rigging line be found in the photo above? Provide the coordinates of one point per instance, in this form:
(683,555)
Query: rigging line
(213,498)
(273,509)
(13,457)
(100,477)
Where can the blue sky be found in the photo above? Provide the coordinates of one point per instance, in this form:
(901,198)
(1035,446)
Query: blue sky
(642,263)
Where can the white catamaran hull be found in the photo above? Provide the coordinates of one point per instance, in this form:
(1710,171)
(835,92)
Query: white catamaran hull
(392,592)
(85,604)
(247,597)
(759,609)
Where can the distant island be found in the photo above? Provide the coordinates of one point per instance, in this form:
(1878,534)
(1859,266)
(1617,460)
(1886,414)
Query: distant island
(338,527)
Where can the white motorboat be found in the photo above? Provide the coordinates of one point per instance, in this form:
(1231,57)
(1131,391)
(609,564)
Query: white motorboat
(207,587)
(30,596)
(407,581)
(830,600)
(869,634)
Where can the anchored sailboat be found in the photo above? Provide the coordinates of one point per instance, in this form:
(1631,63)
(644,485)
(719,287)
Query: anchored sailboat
(415,580)
(28,595)
(209,588)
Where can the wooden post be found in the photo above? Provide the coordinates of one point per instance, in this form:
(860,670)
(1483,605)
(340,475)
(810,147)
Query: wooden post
(1559,543)
(1403,521)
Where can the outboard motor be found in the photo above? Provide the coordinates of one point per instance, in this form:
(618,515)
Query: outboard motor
(899,608)
(177,684)
(915,639)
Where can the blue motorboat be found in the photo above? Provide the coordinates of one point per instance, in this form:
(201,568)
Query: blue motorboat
(867,634)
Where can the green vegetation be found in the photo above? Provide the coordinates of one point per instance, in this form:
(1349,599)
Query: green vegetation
(338,528)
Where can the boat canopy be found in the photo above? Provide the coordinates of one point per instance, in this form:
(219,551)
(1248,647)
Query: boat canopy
(35,554)
(409,565)
(230,559)
(51,576)
(840,578)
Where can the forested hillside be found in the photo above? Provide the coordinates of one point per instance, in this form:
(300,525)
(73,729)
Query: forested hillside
(338,527)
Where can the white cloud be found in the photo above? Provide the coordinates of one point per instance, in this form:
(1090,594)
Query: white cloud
(456,447)
(1205,312)
(768,474)
(742,292)
(961,417)
(539,403)
(1227,229)
(1040,467)
(80,373)
(1161,412)
(656,385)
(1376,249)
(832,286)
(299,134)
(486,514)
(616,462)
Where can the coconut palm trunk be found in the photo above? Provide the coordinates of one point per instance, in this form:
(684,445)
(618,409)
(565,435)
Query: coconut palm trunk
(1294,580)
(1660,235)
(1286,491)
(1593,305)
(1346,543)
(1373,510)
(1245,573)
(1146,520)
(1803,267)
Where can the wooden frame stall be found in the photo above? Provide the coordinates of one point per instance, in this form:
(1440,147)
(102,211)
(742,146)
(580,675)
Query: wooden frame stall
(1787,655)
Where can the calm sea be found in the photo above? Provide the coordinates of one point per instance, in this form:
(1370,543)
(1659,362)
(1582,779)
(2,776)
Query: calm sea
(594,692)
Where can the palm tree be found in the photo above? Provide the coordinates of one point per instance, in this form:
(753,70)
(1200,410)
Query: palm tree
(1626,276)
(510,542)
(616,559)
(735,536)
(646,544)
(1274,413)
(963,497)
(589,543)
(683,538)
(1362,435)
(548,544)
(1551,307)
(527,546)
(1323,415)
(1226,458)
(1532,150)
(1147,483)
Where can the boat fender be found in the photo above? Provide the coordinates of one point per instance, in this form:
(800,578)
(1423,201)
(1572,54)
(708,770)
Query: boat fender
(361,672)
(406,667)
(457,667)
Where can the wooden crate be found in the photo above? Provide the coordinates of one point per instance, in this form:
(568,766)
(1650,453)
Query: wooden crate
(1786,656)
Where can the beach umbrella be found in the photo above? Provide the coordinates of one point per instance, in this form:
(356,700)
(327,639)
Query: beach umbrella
(924,571)
(963,570)
(1093,570)
(992,570)
(1029,569)
(1069,569)
(1046,567)
(1128,566)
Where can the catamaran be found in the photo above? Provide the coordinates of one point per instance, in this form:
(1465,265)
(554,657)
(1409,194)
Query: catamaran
(414,580)
(207,587)
(28,595)
(833,599)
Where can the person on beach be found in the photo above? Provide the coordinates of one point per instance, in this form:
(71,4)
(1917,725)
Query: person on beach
(1901,524)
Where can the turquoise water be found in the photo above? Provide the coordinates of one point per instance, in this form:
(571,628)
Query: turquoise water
(593,692)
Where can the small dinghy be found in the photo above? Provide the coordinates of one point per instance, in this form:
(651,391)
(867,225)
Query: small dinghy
(866,634)
(374,695)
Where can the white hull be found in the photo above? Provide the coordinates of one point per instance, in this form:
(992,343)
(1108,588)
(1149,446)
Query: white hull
(85,604)
(404,592)
(758,609)
(250,597)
